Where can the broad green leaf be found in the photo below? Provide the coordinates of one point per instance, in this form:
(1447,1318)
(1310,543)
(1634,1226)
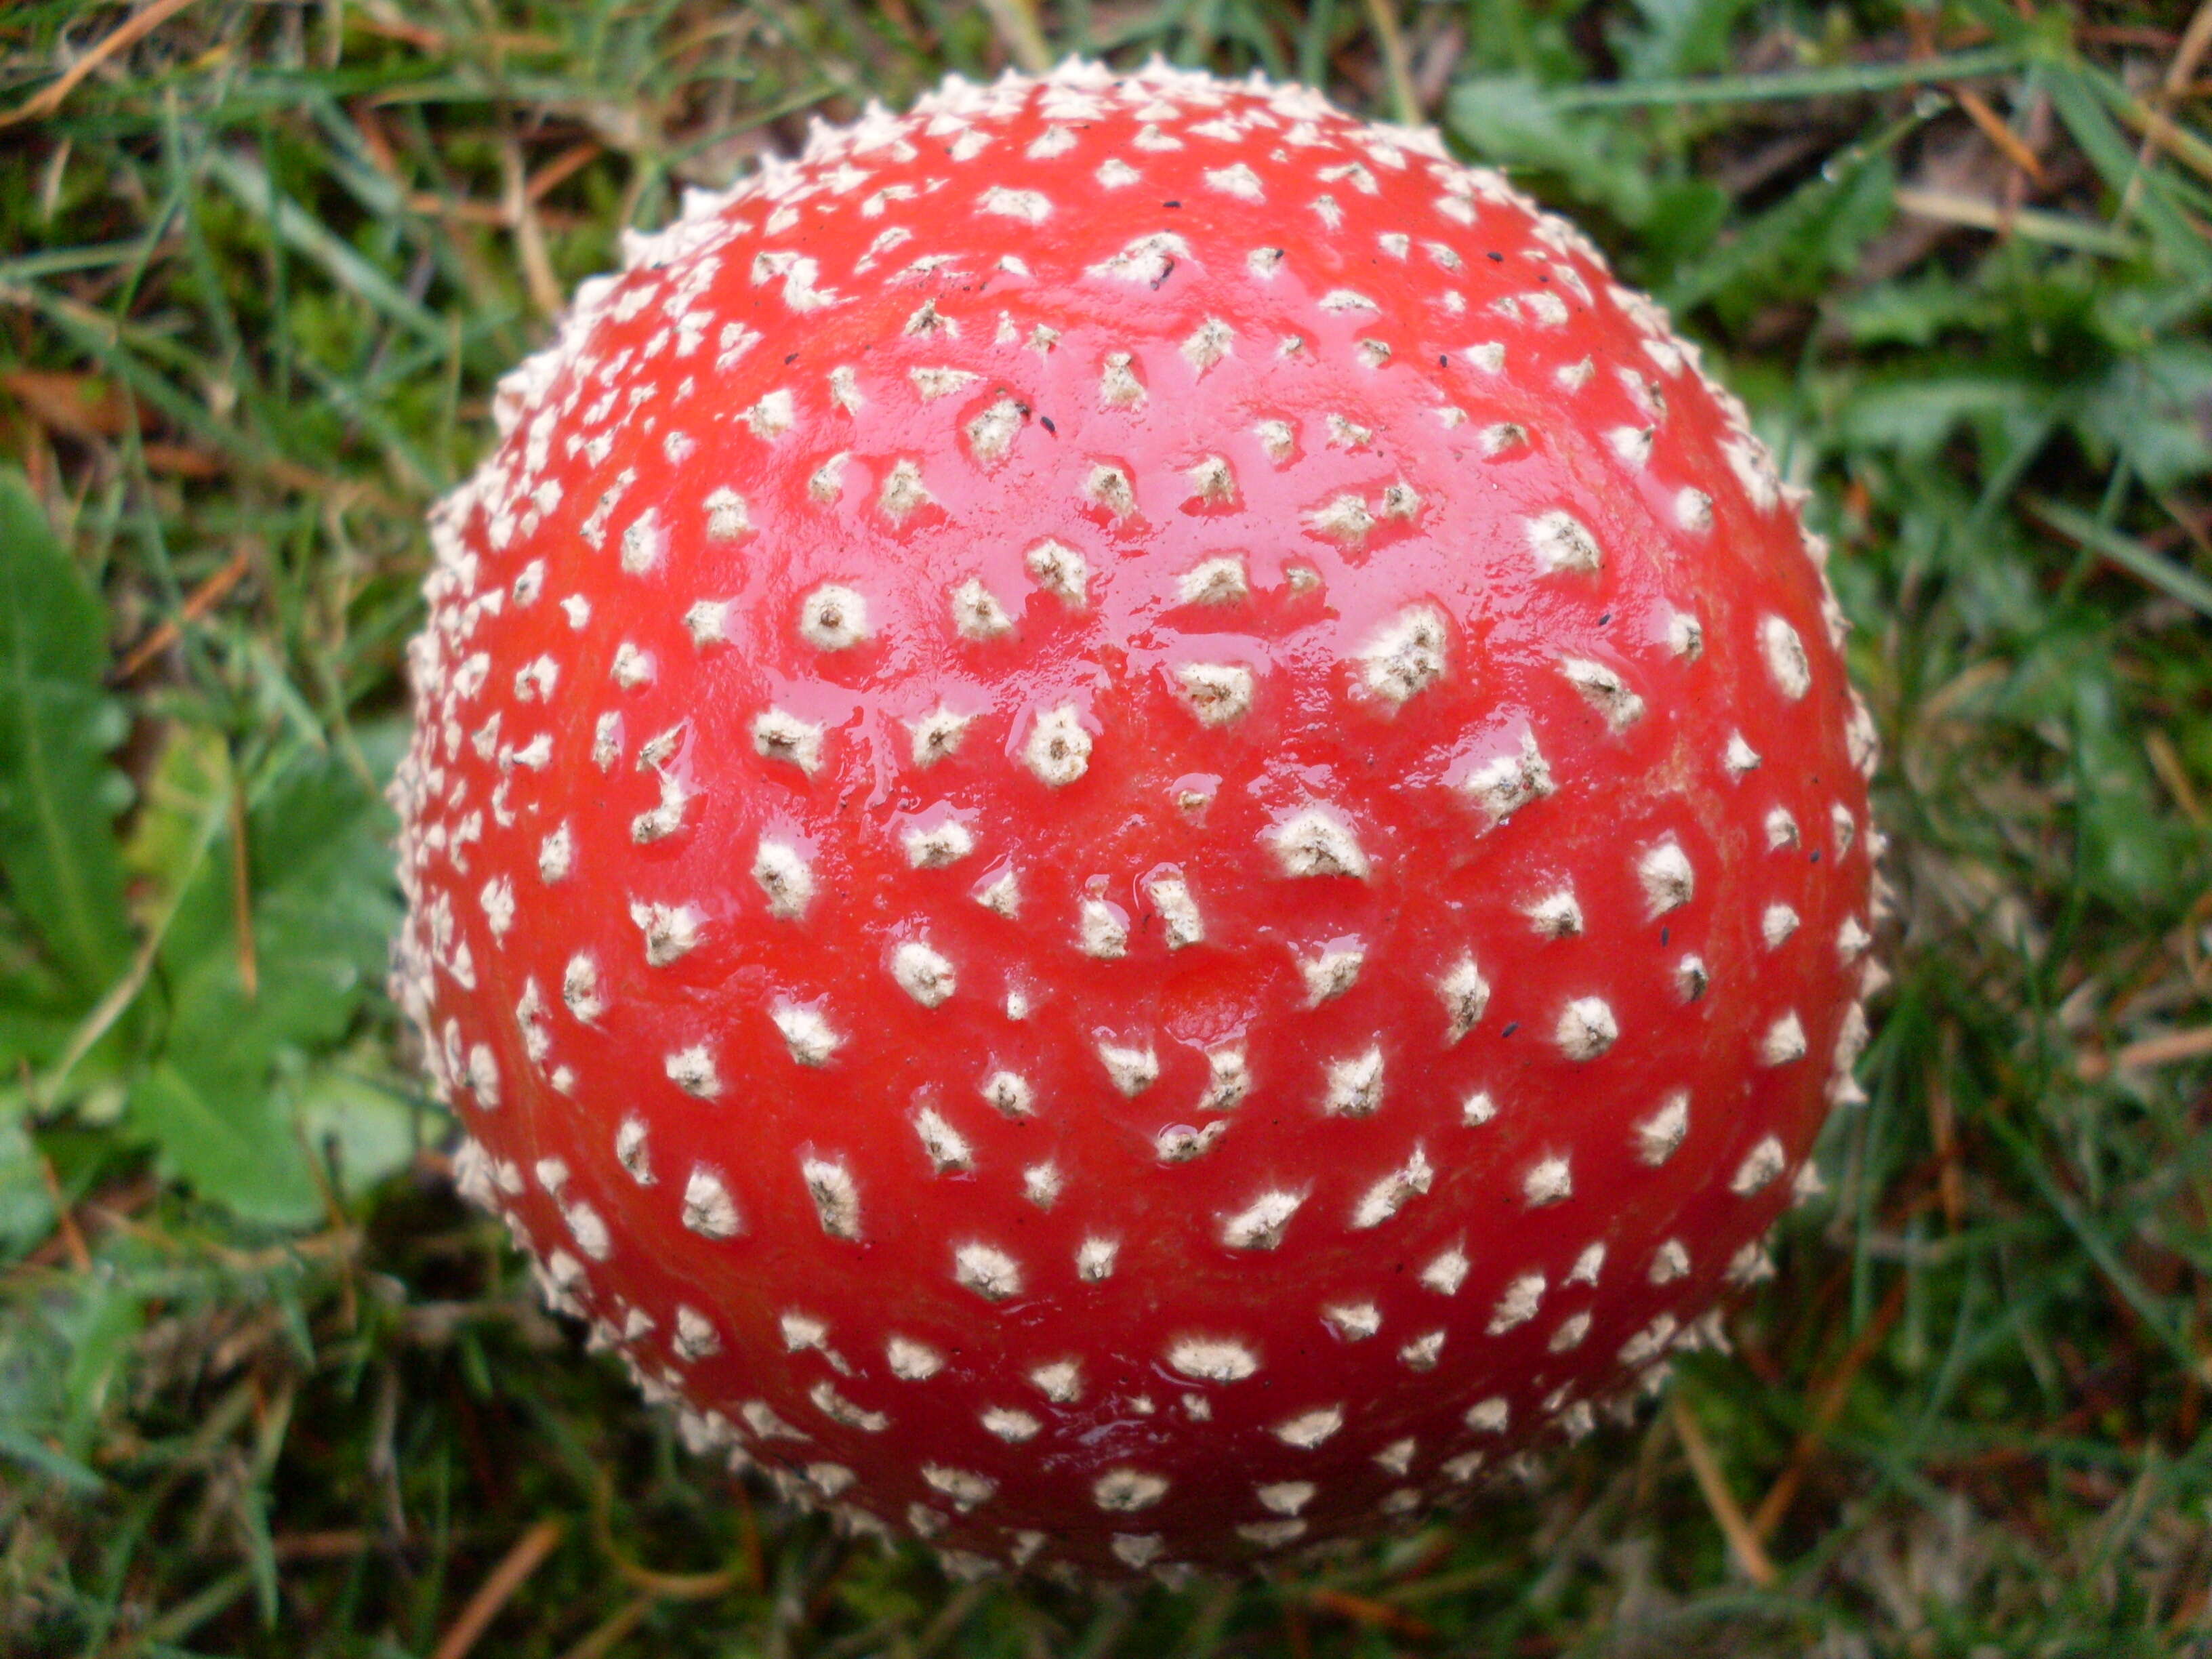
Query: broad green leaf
(324,904)
(186,802)
(1686,216)
(220,1133)
(1794,250)
(1917,414)
(40,1007)
(366,1132)
(2156,410)
(1910,311)
(58,795)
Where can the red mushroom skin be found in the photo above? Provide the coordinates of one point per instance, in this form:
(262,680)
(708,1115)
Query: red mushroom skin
(1136,831)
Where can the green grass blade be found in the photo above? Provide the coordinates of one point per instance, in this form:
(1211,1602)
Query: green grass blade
(249,182)
(17,1447)
(2082,106)
(2125,551)
(1789,86)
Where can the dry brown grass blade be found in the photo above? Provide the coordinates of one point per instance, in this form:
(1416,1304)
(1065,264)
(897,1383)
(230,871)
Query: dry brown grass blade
(609,1635)
(1943,1132)
(2166,762)
(745,1571)
(562,167)
(242,889)
(1405,100)
(200,600)
(2158,128)
(1019,31)
(1828,1404)
(2167,1050)
(142,24)
(520,209)
(1365,1610)
(340,1544)
(382,17)
(2194,43)
(1742,1540)
(1994,129)
(273,469)
(65,1223)
(76,405)
(515,1569)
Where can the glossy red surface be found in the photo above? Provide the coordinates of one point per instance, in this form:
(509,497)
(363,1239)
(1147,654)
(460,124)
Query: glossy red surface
(1508,1209)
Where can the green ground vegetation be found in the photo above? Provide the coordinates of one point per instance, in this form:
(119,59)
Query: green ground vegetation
(267,1388)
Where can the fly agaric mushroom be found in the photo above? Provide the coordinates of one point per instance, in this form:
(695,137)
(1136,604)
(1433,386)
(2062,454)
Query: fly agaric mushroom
(1136,831)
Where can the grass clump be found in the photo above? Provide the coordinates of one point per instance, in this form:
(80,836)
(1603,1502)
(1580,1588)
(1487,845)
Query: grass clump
(265,1387)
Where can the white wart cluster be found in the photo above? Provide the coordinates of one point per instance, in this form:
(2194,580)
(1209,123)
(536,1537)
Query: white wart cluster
(895,825)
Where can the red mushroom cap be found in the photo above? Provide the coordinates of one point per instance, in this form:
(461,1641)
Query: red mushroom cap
(1135,830)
